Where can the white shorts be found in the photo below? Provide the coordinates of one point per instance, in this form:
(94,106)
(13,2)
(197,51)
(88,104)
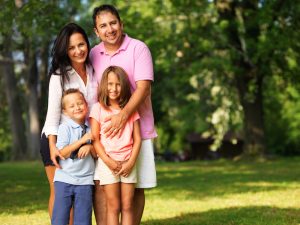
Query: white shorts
(145,165)
(107,177)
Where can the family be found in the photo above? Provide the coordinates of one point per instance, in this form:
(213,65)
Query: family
(96,143)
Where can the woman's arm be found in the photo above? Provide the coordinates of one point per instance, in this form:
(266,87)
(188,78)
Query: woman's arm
(53,116)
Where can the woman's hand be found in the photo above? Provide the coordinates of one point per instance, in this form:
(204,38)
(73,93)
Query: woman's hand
(54,155)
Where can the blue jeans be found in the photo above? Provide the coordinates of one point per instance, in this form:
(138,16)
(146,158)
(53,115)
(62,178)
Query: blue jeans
(77,196)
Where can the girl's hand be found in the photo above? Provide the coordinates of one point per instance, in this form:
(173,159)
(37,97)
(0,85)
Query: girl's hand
(113,165)
(84,151)
(126,169)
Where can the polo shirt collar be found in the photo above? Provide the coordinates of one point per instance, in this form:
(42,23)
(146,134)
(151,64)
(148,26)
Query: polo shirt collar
(73,124)
(123,46)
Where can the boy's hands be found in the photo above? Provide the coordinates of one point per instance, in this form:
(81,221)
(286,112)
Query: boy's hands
(84,151)
(86,138)
(126,168)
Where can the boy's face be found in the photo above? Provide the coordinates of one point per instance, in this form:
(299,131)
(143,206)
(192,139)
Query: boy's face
(75,107)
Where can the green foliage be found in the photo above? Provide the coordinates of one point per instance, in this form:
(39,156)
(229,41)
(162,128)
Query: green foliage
(283,116)
(196,48)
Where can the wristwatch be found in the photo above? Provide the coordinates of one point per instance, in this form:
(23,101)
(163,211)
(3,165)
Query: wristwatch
(89,142)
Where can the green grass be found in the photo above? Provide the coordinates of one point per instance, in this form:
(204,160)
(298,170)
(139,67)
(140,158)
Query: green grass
(196,193)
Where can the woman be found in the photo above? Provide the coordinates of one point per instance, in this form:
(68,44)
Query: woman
(70,68)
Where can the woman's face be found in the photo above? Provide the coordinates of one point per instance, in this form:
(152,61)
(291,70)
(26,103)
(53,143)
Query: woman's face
(77,49)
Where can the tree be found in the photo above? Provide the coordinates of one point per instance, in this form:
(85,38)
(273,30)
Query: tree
(10,81)
(251,28)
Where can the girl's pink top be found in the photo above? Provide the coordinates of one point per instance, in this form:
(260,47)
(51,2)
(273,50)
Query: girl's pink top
(117,148)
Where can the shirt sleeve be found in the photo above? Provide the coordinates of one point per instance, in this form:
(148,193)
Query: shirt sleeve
(54,106)
(63,136)
(135,116)
(143,69)
(95,112)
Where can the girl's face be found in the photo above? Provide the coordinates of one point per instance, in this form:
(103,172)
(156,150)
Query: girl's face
(77,49)
(113,87)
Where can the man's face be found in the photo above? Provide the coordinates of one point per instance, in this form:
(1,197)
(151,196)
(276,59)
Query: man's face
(75,107)
(109,29)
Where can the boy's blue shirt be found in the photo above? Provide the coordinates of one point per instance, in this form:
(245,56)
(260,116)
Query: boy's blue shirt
(74,171)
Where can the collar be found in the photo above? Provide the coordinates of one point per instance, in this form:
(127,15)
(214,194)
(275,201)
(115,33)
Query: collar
(73,124)
(72,71)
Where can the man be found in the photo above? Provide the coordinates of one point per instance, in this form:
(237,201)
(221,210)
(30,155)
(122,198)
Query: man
(134,57)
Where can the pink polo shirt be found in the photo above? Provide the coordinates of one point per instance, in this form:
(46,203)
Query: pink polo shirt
(135,58)
(118,148)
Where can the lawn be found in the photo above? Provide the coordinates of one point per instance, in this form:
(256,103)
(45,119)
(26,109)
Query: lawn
(197,193)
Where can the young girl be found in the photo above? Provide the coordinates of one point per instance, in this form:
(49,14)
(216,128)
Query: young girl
(117,155)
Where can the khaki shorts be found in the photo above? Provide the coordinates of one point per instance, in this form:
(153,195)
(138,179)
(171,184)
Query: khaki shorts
(107,177)
(145,166)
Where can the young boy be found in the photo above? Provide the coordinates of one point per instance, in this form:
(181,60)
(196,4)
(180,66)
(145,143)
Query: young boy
(73,183)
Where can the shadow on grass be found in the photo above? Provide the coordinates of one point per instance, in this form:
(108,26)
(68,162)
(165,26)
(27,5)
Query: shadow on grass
(24,186)
(253,215)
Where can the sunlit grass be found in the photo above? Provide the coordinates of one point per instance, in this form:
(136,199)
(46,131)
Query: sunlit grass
(213,193)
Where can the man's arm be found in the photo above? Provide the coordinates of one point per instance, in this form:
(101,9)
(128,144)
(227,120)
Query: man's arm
(118,121)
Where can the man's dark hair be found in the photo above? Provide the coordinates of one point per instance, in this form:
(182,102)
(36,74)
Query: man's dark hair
(105,8)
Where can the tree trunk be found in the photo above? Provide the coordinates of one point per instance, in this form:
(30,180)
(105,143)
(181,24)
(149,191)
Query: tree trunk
(44,81)
(254,132)
(32,80)
(14,103)
(33,109)
(247,75)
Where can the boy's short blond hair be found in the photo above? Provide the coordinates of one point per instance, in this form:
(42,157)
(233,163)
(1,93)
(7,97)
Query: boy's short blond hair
(68,92)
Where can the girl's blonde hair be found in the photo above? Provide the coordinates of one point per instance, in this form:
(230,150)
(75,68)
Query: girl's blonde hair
(125,87)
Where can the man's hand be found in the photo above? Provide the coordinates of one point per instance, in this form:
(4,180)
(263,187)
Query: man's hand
(116,126)
(54,154)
